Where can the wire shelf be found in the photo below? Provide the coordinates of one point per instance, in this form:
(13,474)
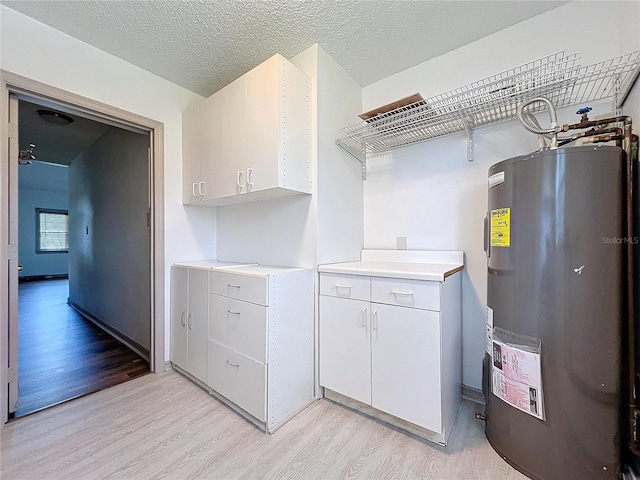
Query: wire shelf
(558,77)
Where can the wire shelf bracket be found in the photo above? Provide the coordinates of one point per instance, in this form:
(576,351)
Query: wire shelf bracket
(469,132)
(559,77)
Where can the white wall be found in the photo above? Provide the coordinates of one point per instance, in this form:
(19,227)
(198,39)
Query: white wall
(340,187)
(109,237)
(40,185)
(39,52)
(429,192)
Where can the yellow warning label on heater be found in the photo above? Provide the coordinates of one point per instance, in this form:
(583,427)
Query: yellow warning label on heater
(501,227)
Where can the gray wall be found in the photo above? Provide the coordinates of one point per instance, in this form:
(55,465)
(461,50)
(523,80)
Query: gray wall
(40,185)
(109,275)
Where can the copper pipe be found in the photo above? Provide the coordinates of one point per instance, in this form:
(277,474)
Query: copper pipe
(627,147)
(594,123)
(600,138)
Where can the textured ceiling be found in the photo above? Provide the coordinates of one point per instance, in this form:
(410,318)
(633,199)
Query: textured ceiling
(55,143)
(204,45)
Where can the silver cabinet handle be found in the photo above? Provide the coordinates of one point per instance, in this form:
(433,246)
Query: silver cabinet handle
(233,364)
(342,285)
(230,285)
(374,320)
(232,312)
(398,292)
(239,180)
(182,320)
(249,182)
(364,317)
(193,189)
(189,321)
(200,185)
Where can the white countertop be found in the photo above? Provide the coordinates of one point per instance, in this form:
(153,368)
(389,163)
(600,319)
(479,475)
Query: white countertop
(406,264)
(210,264)
(245,268)
(261,270)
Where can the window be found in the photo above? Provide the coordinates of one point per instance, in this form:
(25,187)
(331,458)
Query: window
(52,231)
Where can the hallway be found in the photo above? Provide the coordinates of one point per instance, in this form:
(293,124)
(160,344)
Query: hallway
(61,354)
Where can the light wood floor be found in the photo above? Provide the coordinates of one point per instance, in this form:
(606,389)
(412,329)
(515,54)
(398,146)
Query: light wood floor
(163,426)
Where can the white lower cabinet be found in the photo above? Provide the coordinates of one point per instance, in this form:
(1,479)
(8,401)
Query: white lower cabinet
(345,347)
(260,343)
(189,317)
(405,364)
(393,346)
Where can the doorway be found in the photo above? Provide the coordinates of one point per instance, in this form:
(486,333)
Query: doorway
(83,253)
(66,102)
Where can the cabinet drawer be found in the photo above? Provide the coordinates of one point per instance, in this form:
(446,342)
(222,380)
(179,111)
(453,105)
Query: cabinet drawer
(406,293)
(243,287)
(239,325)
(345,286)
(238,378)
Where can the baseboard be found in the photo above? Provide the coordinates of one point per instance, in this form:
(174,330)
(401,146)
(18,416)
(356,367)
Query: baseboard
(422,432)
(33,278)
(121,337)
(168,365)
(473,394)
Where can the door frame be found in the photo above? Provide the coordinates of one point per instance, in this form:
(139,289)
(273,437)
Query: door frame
(28,89)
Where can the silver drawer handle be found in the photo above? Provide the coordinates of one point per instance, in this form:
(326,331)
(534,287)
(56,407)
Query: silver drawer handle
(233,286)
(342,285)
(232,312)
(398,292)
(232,364)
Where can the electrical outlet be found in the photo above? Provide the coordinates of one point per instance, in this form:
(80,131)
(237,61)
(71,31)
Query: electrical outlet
(401,243)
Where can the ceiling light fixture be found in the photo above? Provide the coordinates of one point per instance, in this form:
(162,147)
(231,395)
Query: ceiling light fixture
(56,118)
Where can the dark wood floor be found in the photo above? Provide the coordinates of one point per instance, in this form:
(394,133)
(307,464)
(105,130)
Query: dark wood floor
(61,355)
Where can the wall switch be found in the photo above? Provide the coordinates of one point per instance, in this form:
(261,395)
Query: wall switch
(401,243)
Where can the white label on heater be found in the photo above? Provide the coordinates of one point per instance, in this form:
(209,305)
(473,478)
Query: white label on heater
(517,378)
(489,330)
(496,179)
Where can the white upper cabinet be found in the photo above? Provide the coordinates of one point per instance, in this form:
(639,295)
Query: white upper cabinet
(191,152)
(255,139)
(211,124)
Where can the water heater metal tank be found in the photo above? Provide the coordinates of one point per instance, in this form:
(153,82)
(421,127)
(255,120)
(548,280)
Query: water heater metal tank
(555,276)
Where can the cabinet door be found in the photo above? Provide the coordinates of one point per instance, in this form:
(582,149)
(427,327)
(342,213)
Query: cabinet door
(211,121)
(178,316)
(262,121)
(345,360)
(405,364)
(233,139)
(198,322)
(191,151)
